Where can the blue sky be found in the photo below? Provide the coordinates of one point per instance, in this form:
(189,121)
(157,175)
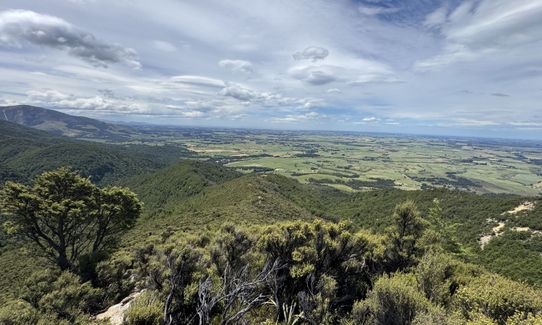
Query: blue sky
(422,66)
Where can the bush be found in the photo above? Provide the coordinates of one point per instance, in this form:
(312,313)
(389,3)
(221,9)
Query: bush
(393,300)
(498,298)
(437,315)
(61,295)
(18,312)
(116,275)
(146,309)
(435,275)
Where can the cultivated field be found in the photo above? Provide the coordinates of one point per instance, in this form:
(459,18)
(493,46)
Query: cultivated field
(354,161)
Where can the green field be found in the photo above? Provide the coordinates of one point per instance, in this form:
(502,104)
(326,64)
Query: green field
(357,162)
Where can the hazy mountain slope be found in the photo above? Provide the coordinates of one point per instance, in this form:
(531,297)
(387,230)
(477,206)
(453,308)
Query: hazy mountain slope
(63,124)
(25,152)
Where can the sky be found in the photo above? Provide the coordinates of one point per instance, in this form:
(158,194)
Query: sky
(444,67)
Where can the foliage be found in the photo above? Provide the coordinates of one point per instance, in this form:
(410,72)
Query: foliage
(66,216)
(404,235)
(146,309)
(325,266)
(498,298)
(393,300)
(223,248)
(18,312)
(436,275)
(60,295)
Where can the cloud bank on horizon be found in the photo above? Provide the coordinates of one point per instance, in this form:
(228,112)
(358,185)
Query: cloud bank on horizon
(465,67)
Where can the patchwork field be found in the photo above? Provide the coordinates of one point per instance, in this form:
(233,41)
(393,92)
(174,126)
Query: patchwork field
(357,162)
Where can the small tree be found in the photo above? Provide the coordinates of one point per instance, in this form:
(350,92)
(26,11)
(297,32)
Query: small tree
(404,235)
(66,216)
(440,233)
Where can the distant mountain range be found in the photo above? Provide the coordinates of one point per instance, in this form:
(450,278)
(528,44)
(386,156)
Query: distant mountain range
(63,124)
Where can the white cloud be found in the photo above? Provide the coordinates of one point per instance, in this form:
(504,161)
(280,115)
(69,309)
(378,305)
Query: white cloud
(296,118)
(54,98)
(314,75)
(313,53)
(22,27)
(238,92)
(437,17)
(377,10)
(237,66)
(475,29)
(198,81)
(368,120)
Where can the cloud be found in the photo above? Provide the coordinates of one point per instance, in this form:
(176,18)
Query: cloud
(237,66)
(22,27)
(313,103)
(376,10)
(333,91)
(436,18)
(313,75)
(268,99)
(198,81)
(54,98)
(500,95)
(313,53)
(474,30)
(295,118)
(368,120)
(238,92)
(453,53)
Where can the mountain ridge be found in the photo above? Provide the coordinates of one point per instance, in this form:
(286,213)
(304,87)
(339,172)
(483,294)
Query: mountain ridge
(59,123)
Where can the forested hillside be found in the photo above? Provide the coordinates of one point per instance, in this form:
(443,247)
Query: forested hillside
(25,152)
(264,248)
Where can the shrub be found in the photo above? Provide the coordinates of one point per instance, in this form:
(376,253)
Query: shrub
(146,309)
(61,295)
(435,275)
(18,312)
(498,298)
(394,300)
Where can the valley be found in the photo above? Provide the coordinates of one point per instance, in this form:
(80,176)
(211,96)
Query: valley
(358,161)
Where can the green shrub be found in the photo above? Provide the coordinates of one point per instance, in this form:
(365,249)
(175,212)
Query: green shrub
(394,300)
(146,309)
(437,315)
(16,312)
(498,298)
(435,275)
(61,295)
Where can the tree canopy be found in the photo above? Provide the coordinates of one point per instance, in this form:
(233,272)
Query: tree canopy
(66,216)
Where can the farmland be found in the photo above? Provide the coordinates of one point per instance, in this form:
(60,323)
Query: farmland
(358,162)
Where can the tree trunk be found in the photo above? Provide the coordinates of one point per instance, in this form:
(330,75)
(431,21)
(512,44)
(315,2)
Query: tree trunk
(63,262)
